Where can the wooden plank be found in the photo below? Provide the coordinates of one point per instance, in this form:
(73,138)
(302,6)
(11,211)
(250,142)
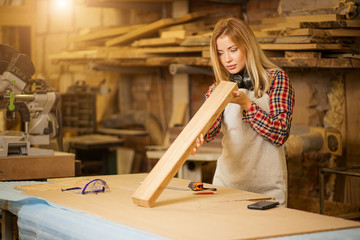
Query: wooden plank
(104,33)
(338,63)
(152,28)
(176,49)
(166,61)
(308,18)
(309,32)
(140,32)
(37,167)
(289,39)
(197,40)
(100,53)
(302,54)
(306,46)
(176,33)
(169,164)
(151,42)
(192,26)
(276,27)
(332,24)
(335,32)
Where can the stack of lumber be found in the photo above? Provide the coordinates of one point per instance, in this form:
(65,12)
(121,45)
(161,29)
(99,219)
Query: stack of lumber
(311,41)
(160,43)
(320,41)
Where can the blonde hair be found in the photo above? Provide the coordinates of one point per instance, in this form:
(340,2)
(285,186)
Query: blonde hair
(257,64)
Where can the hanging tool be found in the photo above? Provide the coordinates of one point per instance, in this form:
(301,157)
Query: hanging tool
(198,186)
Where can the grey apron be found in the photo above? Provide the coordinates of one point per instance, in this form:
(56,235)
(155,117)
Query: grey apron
(248,161)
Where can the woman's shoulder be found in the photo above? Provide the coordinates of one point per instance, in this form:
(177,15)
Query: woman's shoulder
(278,78)
(274,72)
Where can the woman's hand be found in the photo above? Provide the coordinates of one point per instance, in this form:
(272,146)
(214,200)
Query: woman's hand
(199,141)
(242,99)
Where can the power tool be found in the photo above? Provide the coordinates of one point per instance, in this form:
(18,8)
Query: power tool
(33,99)
(198,186)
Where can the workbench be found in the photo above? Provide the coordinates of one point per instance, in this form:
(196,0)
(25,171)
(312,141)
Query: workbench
(46,212)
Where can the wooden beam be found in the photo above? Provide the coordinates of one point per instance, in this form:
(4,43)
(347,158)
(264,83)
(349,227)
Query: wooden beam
(309,18)
(166,61)
(339,63)
(302,54)
(332,24)
(152,28)
(104,33)
(151,42)
(169,164)
(335,32)
(305,46)
(175,49)
(140,32)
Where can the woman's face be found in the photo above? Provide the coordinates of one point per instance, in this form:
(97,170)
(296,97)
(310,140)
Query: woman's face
(231,57)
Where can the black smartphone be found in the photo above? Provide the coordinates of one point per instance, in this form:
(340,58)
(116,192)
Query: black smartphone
(262,205)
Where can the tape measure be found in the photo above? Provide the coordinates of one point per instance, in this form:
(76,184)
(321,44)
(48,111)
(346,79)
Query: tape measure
(198,186)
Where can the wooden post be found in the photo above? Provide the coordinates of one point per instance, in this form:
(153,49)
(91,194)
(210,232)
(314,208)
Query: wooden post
(6,225)
(169,164)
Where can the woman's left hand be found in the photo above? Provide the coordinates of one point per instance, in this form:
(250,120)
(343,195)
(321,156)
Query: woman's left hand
(242,99)
(198,142)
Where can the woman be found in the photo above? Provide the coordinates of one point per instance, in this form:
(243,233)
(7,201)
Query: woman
(256,123)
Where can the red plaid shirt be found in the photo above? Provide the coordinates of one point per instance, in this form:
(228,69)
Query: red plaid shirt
(273,126)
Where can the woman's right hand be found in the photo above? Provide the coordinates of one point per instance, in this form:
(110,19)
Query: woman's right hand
(199,141)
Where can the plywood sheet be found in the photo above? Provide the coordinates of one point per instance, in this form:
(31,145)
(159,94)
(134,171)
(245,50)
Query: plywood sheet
(182,215)
(181,148)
